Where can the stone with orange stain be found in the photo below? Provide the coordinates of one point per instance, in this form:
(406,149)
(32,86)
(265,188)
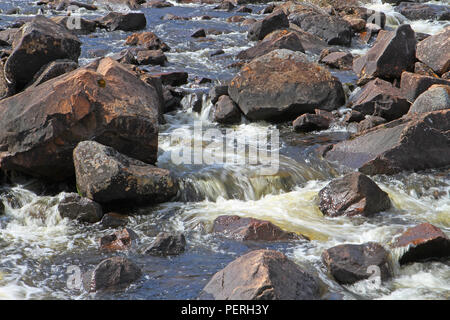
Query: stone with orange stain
(148,40)
(424,242)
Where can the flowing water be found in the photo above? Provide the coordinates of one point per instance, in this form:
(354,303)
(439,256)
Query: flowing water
(37,246)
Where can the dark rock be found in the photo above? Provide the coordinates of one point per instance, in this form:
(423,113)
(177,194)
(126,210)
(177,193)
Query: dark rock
(49,41)
(225,5)
(105,175)
(245,229)
(130,21)
(7,36)
(153,57)
(126,56)
(354,116)
(310,122)
(166,244)
(310,42)
(353,194)
(244,9)
(2,208)
(437,97)
(194,101)
(292,86)
(158,4)
(268,9)
(40,127)
(111,274)
(370,122)
(53,70)
(216,92)
(261,28)
(392,53)
(423,242)
(147,40)
(225,111)
(216,53)
(413,143)
(172,78)
(357,24)
(75,207)
(413,85)
(113,220)
(235,19)
(86,6)
(332,29)
(262,275)
(350,263)
(118,241)
(199,34)
(434,51)
(339,60)
(380,98)
(422,11)
(280,39)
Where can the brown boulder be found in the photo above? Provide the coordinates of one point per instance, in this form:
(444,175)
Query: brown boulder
(283,84)
(437,97)
(380,98)
(413,85)
(75,207)
(147,40)
(274,21)
(130,21)
(434,51)
(153,57)
(392,53)
(310,122)
(414,143)
(113,220)
(424,242)
(370,122)
(118,241)
(40,127)
(244,229)
(225,111)
(353,194)
(262,275)
(338,60)
(349,263)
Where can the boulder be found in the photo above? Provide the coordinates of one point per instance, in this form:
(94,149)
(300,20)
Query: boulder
(332,29)
(200,33)
(7,36)
(118,241)
(216,92)
(225,111)
(53,70)
(147,40)
(392,53)
(423,11)
(434,51)
(310,43)
(370,122)
(113,220)
(354,116)
(350,263)
(413,85)
(40,127)
(37,43)
(338,60)
(245,229)
(423,242)
(153,57)
(261,28)
(172,78)
(280,39)
(353,194)
(262,275)
(75,207)
(310,122)
(105,175)
(380,98)
(111,274)
(437,97)
(167,244)
(283,84)
(130,21)
(417,142)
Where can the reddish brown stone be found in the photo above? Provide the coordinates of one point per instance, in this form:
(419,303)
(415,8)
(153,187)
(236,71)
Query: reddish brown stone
(148,40)
(413,85)
(251,229)
(426,242)
(118,241)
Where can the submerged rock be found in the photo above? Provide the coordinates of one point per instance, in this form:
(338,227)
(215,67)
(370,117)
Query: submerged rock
(353,194)
(283,84)
(111,274)
(262,275)
(350,263)
(75,207)
(413,143)
(167,244)
(392,53)
(40,127)
(423,242)
(244,229)
(37,43)
(105,175)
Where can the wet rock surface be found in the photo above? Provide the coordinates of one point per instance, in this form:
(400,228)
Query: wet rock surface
(167,244)
(75,207)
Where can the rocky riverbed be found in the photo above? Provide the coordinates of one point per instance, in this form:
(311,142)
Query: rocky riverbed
(100,101)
